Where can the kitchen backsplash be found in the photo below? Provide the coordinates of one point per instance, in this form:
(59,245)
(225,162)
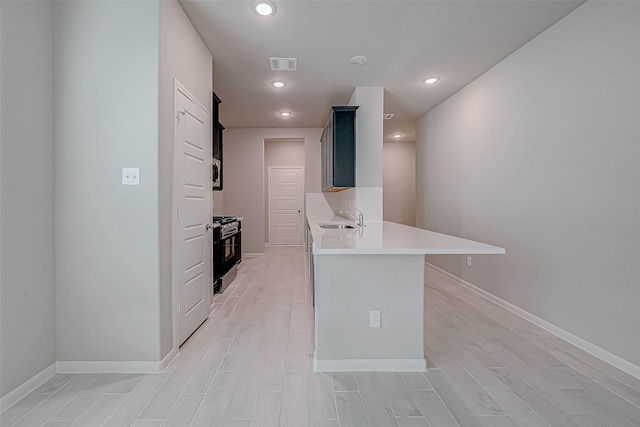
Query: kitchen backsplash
(366,199)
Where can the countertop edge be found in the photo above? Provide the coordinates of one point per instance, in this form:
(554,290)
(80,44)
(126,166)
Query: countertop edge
(318,233)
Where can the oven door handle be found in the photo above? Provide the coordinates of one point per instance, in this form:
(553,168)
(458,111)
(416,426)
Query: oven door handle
(228,236)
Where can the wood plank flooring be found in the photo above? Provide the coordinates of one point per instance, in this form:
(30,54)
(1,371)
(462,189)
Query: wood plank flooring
(249,365)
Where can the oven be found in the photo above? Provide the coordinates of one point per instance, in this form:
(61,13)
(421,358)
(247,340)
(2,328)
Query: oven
(227,251)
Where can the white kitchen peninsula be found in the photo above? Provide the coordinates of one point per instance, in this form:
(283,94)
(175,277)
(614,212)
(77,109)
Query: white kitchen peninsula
(379,267)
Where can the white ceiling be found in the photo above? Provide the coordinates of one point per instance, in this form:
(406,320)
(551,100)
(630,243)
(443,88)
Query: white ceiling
(404,41)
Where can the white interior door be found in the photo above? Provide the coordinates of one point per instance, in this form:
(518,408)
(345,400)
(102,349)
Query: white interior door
(285,205)
(192,201)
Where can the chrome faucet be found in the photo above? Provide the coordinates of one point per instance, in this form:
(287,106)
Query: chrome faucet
(359,219)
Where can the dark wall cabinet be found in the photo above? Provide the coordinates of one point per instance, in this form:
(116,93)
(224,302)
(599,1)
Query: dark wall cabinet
(339,149)
(217,141)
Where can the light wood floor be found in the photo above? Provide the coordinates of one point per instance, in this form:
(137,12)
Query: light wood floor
(249,365)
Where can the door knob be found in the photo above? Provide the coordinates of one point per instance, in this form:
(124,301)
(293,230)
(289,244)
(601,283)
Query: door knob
(209,226)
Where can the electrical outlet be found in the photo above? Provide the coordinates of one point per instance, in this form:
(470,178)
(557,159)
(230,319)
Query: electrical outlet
(374,318)
(468,261)
(131,176)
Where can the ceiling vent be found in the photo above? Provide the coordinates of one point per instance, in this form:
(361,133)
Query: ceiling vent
(284,64)
(387,116)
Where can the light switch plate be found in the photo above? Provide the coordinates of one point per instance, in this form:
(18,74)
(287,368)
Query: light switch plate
(130,176)
(374,318)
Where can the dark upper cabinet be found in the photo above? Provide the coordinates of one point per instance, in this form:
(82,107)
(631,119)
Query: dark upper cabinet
(338,156)
(217,128)
(217,141)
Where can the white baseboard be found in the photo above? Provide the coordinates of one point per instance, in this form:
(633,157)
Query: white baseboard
(75,367)
(253,255)
(582,344)
(168,359)
(27,387)
(364,365)
(109,367)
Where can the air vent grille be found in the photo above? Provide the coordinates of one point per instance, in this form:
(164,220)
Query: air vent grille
(284,64)
(387,116)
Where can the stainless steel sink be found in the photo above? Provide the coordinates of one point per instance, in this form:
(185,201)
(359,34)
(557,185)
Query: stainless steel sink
(336,226)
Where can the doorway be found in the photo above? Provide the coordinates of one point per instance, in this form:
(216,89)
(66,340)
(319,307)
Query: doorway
(284,160)
(285,205)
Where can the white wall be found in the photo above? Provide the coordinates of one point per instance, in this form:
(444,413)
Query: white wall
(107,234)
(369,135)
(27,312)
(284,152)
(183,56)
(280,152)
(540,156)
(218,202)
(399,182)
(244,183)
(113,108)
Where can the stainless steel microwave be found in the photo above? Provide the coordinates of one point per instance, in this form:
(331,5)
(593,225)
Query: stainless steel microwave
(216,174)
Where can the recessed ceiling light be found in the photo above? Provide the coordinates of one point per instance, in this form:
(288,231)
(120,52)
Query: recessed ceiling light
(397,135)
(264,7)
(431,80)
(285,113)
(278,83)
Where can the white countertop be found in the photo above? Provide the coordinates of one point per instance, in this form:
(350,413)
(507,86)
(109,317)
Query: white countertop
(388,238)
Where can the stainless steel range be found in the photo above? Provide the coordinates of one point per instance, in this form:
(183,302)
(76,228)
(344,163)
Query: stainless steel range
(227,251)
